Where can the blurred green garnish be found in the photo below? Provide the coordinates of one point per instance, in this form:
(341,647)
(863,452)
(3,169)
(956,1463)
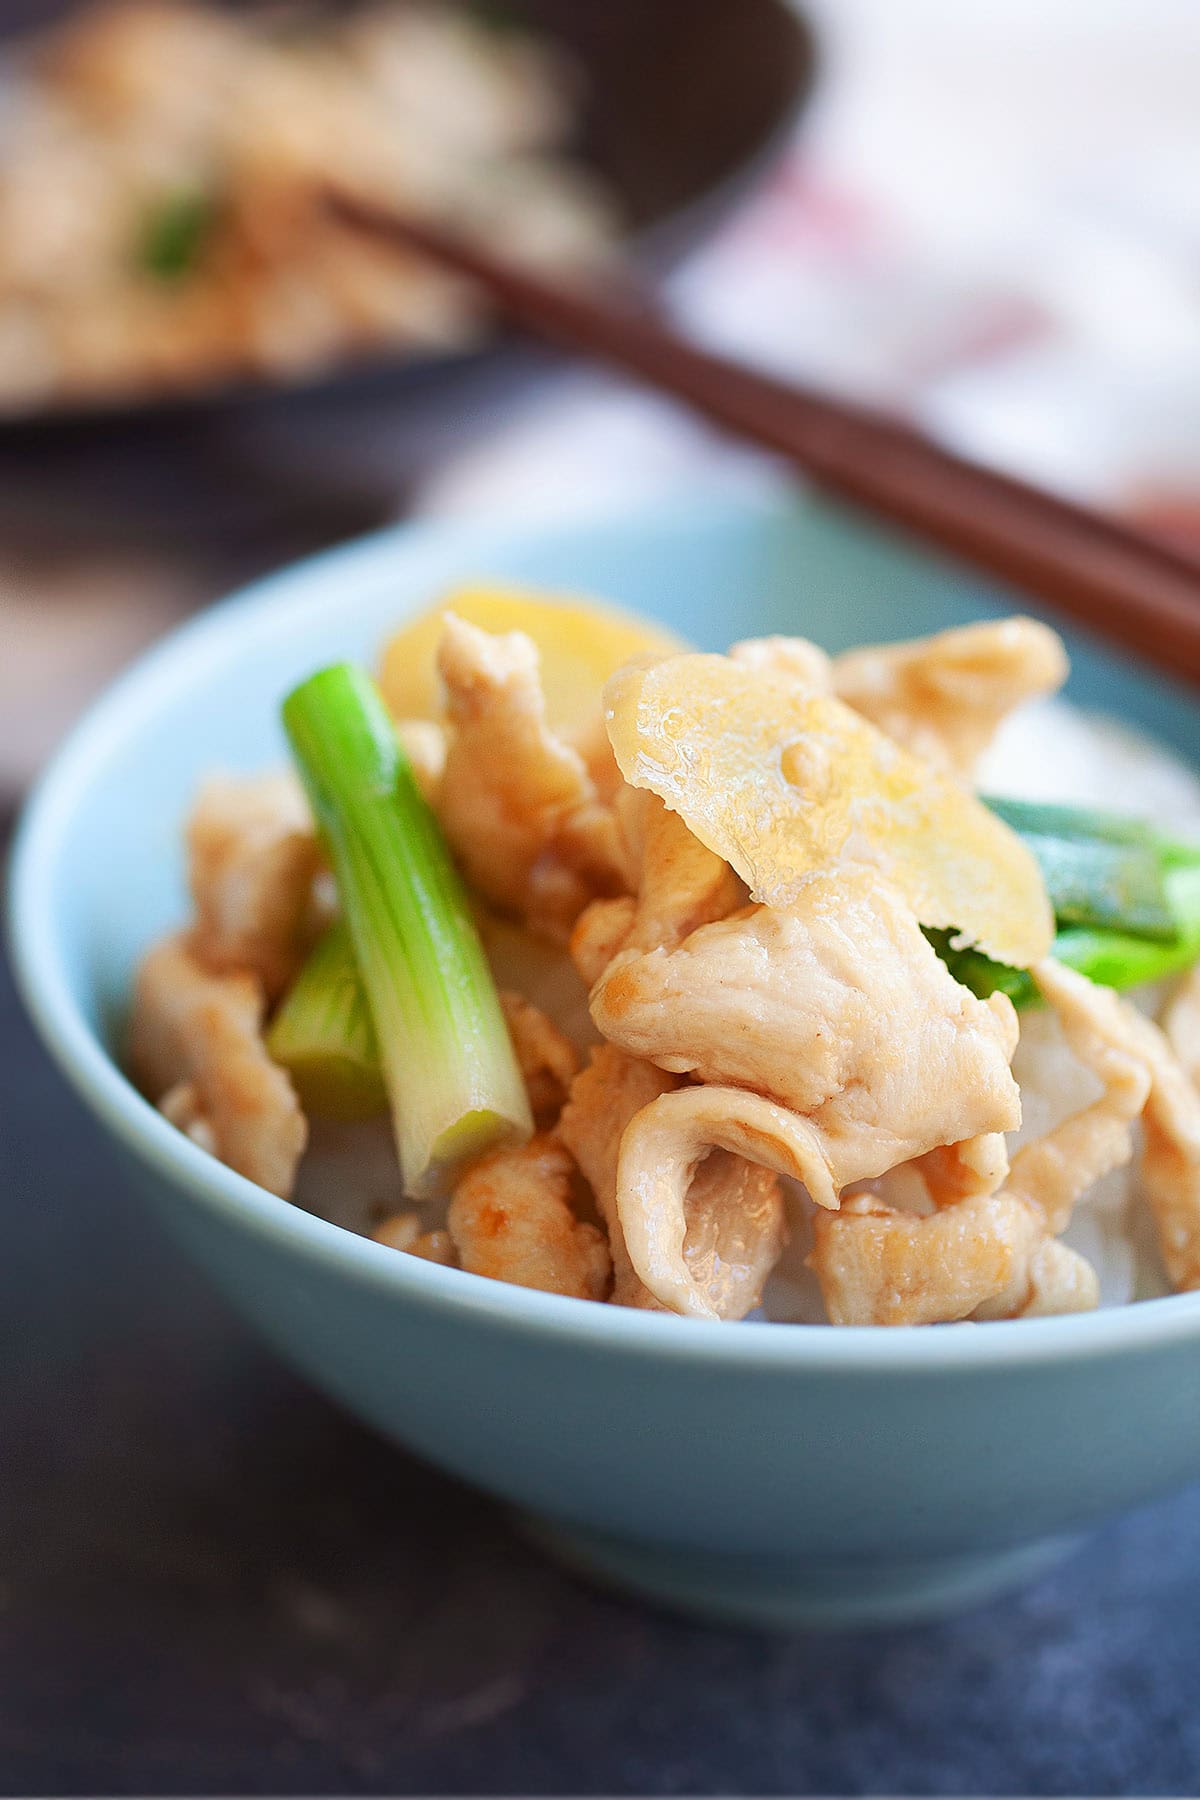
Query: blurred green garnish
(174,233)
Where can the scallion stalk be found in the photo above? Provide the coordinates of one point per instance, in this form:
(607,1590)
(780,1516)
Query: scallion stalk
(452,1080)
(1116,959)
(1101,869)
(323,1036)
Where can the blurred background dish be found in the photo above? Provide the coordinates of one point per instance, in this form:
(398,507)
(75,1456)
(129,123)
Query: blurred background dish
(161,232)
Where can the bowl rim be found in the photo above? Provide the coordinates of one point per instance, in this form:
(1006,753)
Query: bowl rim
(140,694)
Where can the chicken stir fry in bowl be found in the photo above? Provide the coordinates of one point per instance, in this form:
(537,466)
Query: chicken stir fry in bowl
(574,958)
(161,171)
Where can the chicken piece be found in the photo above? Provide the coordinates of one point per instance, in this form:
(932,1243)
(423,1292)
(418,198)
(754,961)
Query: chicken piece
(954,1172)
(510,1219)
(1107,1036)
(181,1107)
(1181,1024)
(794,656)
(252,862)
(196,1047)
(424,744)
(943,697)
(681,886)
(900,1269)
(435,1247)
(604,1098)
(546,1057)
(516,803)
(1053,1279)
(839,1010)
(402,1231)
(661,1156)
(602,930)
(733,1209)
(987,1256)
(1171,1152)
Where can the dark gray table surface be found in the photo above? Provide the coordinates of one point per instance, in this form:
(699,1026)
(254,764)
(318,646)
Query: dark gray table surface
(211,1581)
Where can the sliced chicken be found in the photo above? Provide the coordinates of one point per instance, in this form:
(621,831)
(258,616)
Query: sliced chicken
(511,1219)
(1171,1153)
(733,1209)
(1107,1036)
(604,1097)
(196,1048)
(546,1057)
(839,1010)
(1181,1023)
(681,886)
(403,1231)
(943,697)
(252,862)
(517,804)
(987,1256)
(601,932)
(662,1156)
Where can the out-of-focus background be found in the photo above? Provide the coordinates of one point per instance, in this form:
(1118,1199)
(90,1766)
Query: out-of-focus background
(987,217)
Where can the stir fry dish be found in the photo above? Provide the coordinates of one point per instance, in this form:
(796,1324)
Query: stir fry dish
(678,978)
(161,171)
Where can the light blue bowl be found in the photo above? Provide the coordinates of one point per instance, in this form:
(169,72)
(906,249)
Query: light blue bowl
(782,1474)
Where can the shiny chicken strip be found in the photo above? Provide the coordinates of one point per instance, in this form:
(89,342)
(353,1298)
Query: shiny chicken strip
(252,862)
(1107,1036)
(663,1152)
(1142,1074)
(1171,1153)
(838,1010)
(546,1057)
(511,1219)
(881,1267)
(516,803)
(944,697)
(196,1048)
(681,886)
(733,1209)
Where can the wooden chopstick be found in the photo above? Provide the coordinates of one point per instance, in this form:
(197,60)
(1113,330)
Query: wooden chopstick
(1129,588)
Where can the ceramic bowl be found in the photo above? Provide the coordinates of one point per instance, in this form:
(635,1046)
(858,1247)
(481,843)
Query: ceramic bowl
(780,1474)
